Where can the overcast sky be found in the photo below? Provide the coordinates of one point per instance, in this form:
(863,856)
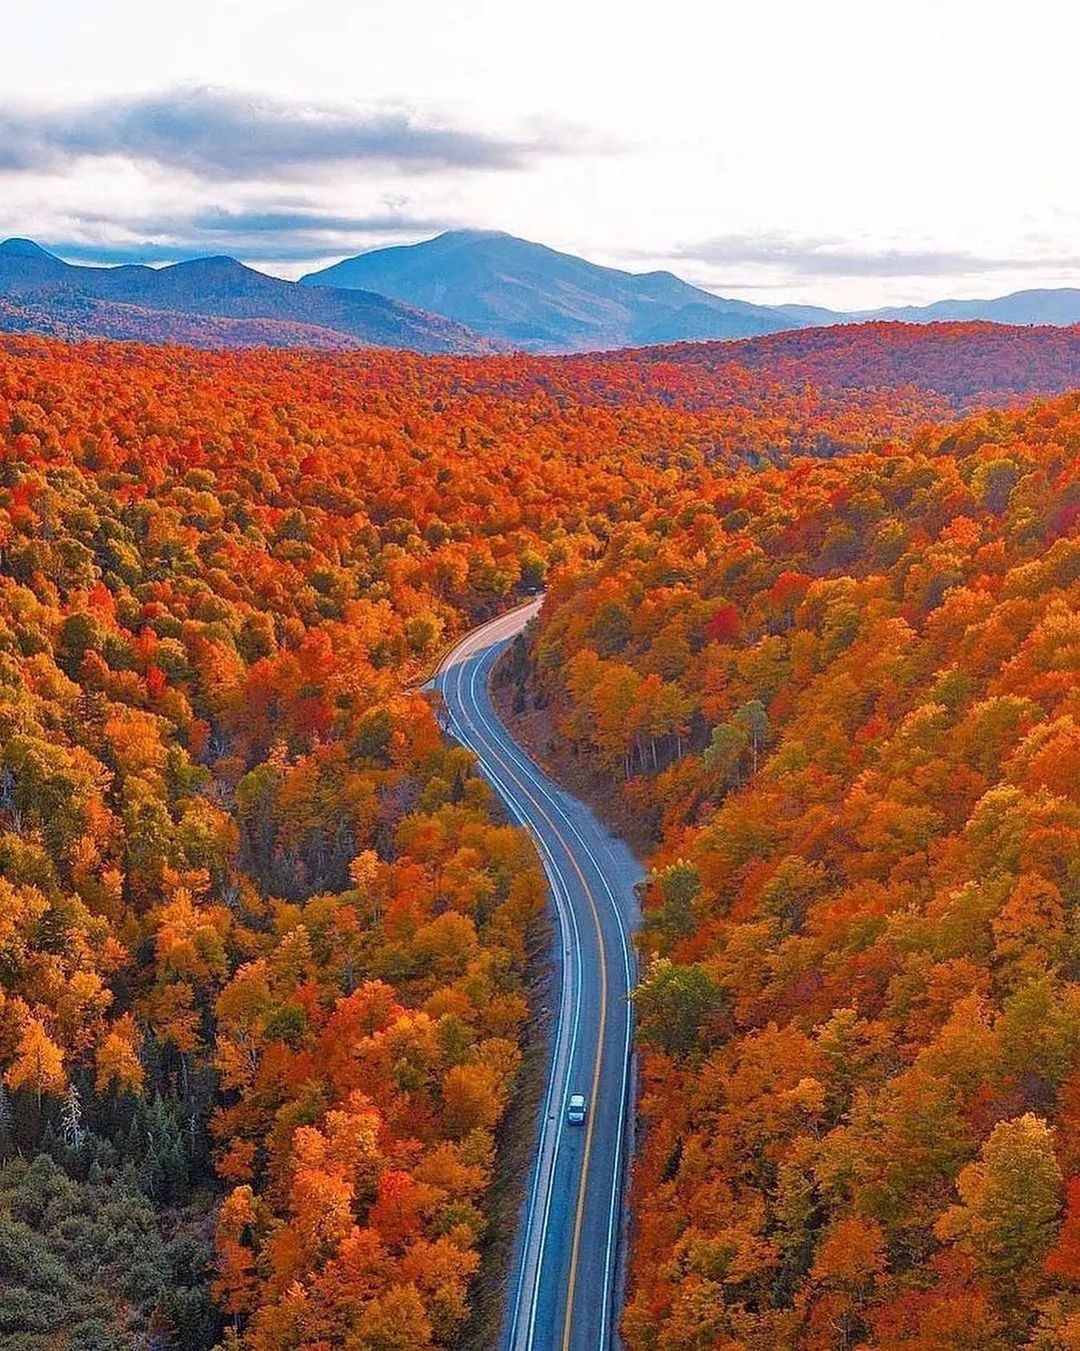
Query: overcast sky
(845,152)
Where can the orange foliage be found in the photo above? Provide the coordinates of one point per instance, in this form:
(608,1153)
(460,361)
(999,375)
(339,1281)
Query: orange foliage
(860,1014)
(248,893)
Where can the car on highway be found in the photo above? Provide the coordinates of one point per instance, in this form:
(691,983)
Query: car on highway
(575,1109)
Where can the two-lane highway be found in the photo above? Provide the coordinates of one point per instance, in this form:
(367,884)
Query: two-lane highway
(565,1283)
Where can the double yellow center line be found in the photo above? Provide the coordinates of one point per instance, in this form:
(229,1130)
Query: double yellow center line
(583,1181)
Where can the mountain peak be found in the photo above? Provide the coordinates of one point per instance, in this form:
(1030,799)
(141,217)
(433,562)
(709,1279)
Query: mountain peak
(540,299)
(26,248)
(453,240)
(212,263)
(468,233)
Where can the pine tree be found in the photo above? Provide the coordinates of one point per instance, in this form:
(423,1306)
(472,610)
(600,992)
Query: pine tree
(134,1145)
(175,1170)
(50,1142)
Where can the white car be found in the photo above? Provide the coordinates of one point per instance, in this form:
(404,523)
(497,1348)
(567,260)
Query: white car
(575,1109)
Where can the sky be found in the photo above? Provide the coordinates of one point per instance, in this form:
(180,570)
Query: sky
(849,153)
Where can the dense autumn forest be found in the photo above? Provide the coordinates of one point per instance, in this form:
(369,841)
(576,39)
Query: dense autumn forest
(845,697)
(264,935)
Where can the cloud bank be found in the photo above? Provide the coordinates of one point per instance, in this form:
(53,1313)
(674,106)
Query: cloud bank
(805,257)
(263,233)
(221,134)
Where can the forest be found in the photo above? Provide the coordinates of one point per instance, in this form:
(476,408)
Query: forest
(265,935)
(843,696)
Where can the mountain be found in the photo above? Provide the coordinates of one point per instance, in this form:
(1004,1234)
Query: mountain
(545,301)
(27,249)
(467,291)
(1059,307)
(177,303)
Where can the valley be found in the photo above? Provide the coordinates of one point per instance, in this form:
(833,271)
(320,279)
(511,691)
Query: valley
(565,1287)
(270,938)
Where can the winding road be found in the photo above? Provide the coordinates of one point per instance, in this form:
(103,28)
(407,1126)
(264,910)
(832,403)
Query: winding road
(565,1286)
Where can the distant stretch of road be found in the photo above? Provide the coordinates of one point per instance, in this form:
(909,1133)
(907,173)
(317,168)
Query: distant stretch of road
(565,1282)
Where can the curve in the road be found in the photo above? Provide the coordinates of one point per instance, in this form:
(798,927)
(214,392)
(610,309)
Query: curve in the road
(567,1257)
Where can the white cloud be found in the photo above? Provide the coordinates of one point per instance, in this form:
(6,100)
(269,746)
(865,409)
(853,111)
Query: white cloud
(228,135)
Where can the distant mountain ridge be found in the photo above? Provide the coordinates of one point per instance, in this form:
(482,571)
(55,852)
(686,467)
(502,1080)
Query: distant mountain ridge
(1058,307)
(465,291)
(75,316)
(538,299)
(175,304)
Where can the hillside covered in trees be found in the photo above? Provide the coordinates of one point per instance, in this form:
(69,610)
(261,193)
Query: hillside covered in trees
(263,939)
(845,695)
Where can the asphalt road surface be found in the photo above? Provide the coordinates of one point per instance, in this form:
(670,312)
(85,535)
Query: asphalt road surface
(565,1287)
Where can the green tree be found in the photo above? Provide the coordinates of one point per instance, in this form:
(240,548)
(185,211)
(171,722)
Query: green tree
(673,1003)
(1010,1201)
(679,885)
